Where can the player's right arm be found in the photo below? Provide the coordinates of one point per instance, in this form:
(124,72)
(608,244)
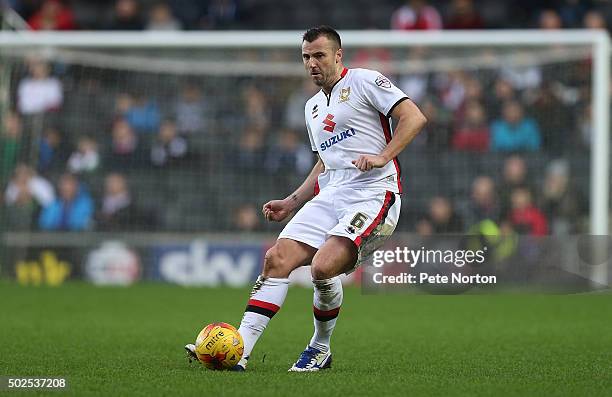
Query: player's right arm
(277,210)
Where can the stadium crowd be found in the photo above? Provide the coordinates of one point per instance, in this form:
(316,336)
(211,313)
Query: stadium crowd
(508,145)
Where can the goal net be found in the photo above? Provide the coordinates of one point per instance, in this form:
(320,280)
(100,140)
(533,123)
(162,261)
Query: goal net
(196,131)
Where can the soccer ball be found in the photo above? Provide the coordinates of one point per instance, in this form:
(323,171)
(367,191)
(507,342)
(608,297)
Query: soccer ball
(219,346)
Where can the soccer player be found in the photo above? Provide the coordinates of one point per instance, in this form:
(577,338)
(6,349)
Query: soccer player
(351,199)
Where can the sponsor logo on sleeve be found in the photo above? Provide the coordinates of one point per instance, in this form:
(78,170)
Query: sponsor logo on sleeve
(383,82)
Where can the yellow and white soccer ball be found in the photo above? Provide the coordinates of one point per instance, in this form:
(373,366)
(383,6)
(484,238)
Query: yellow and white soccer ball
(219,346)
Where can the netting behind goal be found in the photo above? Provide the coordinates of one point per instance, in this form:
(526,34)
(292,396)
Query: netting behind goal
(199,138)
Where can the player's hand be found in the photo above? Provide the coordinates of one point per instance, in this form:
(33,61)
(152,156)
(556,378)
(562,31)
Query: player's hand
(276,210)
(366,162)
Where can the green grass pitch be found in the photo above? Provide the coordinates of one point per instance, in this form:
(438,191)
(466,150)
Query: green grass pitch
(129,341)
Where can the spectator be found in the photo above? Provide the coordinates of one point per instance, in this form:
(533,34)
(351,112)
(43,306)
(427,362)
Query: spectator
(161,18)
(10,144)
(416,15)
(249,153)
(484,203)
(194,112)
(139,111)
(595,20)
(514,131)
(52,15)
(289,155)
(524,216)
(415,84)
(561,203)
(51,151)
(86,158)
(117,212)
(554,118)
(26,182)
(442,216)
(472,133)
(168,148)
(221,14)
(256,108)
(436,133)
(463,15)
(40,92)
(294,107)
(503,92)
(246,219)
(514,176)
(71,211)
(126,16)
(550,20)
(124,145)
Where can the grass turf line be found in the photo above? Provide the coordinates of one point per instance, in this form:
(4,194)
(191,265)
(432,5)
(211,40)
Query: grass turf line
(128,341)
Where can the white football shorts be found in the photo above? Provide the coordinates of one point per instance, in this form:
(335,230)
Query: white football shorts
(366,216)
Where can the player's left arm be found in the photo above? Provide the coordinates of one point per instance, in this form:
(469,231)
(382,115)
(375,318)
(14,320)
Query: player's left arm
(409,122)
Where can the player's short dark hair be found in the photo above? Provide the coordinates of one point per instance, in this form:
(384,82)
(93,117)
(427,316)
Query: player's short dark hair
(314,33)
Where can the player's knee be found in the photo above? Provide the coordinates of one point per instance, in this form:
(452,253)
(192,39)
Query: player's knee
(319,271)
(275,263)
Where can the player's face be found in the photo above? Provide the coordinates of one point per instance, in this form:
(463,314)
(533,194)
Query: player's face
(321,59)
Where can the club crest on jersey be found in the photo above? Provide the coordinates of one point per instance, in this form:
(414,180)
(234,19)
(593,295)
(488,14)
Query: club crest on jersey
(344,94)
(315,111)
(383,82)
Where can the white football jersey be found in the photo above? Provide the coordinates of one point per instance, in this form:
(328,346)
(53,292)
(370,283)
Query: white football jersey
(354,120)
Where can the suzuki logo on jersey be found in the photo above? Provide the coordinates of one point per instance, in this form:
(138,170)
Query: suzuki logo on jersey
(329,124)
(337,138)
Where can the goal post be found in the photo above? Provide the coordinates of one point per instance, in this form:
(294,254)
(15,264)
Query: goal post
(164,58)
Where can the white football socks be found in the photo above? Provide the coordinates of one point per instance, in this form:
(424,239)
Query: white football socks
(267,297)
(327,301)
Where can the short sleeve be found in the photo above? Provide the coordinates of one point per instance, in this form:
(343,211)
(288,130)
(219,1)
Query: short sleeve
(312,142)
(381,93)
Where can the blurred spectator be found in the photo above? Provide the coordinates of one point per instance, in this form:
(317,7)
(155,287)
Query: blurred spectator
(168,148)
(10,144)
(503,92)
(126,16)
(124,145)
(524,216)
(452,88)
(39,92)
(52,15)
(71,211)
(118,212)
(436,133)
(249,154)
(221,14)
(294,107)
(415,84)
(377,58)
(26,182)
(522,77)
(86,158)
(21,206)
(139,111)
(416,15)
(554,119)
(161,18)
(585,126)
(514,175)
(561,202)
(464,15)
(442,216)
(484,203)
(594,19)
(193,111)
(256,108)
(51,151)
(289,155)
(550,20)
(472,133)
(514,131)
(247,219)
